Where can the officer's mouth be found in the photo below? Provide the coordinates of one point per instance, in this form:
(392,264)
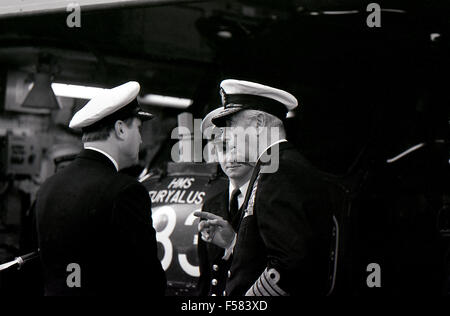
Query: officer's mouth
(234,166)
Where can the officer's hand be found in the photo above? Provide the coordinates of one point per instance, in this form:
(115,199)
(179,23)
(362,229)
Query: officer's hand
(215,229)
(205,229)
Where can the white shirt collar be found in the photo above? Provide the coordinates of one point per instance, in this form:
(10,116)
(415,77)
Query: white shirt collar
(104,153)
(277,142)
(241,196)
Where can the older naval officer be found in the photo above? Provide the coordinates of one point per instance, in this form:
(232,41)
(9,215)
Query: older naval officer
(283,238)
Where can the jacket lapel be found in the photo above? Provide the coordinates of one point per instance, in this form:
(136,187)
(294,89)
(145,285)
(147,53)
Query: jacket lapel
(281,146)
(247,195)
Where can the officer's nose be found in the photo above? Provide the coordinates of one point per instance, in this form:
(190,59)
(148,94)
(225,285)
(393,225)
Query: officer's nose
(231,154)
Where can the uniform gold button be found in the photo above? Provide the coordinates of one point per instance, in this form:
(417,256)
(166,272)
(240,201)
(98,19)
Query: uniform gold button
(224,293)
(215,267)
(229,273)
(214,282)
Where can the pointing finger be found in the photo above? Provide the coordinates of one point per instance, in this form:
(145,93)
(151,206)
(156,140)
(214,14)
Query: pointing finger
(207,215)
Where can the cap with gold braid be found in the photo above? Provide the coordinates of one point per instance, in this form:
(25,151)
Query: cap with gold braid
(238,95)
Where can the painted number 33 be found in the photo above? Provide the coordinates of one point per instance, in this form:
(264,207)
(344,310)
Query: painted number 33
(163,237)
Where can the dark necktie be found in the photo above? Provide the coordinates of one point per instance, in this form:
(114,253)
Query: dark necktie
(234,208)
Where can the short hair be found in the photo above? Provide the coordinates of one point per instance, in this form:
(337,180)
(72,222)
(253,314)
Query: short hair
(103,131)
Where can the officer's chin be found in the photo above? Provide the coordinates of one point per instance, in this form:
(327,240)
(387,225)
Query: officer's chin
(235,170)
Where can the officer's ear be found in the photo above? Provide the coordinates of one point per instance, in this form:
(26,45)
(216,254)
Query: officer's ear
(119,129)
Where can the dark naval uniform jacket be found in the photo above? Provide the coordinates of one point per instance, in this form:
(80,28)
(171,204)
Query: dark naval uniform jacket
(94,227)
(214,269)
(285,234)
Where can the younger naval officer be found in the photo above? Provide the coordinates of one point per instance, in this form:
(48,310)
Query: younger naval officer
(226,204)
(94,224)
(283,239)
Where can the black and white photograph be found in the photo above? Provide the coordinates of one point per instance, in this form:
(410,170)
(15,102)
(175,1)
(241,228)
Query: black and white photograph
(212,155)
